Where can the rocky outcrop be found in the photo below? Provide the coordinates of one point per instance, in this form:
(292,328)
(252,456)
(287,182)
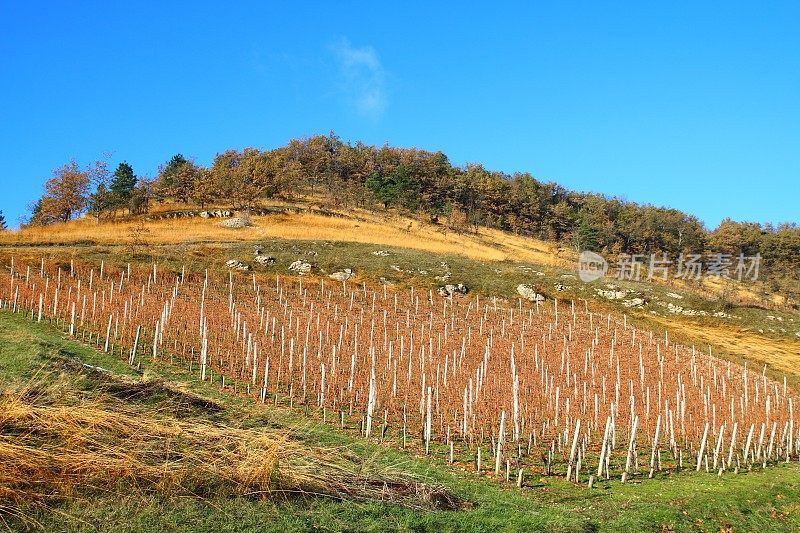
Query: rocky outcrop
(235,264)
(235,223)
(634,302)
(450,290)
(611,294)
(528,292)
(301,267)
(342,275)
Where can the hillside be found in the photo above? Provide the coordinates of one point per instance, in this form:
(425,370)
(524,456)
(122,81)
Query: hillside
(491,261)
(341,175)
(325,471)
(305,221)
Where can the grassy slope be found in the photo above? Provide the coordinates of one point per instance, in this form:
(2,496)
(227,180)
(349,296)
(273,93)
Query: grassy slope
(760,500)
(307,224)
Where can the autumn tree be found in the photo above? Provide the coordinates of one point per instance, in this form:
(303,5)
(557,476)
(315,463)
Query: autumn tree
(139,201)
(101,201)
(168,184)
(204,188)
(176,179)
(241,177)
(66,193)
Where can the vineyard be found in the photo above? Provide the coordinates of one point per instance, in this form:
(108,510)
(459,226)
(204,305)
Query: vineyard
(501,387)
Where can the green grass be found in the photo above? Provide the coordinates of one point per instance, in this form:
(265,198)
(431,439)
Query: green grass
(766,500)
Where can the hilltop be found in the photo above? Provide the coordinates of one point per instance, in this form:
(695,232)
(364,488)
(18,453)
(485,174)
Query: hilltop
(228,451)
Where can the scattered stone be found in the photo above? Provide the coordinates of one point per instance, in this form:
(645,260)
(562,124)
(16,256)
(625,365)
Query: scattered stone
(634,302)
(235,264)
(300,267)
(678,310)
(235,223)
(444,277)
(342,275)
(529,293)
(265,260)
(610,294)
(381,253)
(560,287)
(204,214)
(530,270)
(675,295)
(450,290)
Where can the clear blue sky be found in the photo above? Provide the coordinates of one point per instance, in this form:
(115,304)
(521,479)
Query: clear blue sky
(689,105)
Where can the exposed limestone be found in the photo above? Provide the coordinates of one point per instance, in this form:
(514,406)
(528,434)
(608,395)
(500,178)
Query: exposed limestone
(528,292)
(301,267)
(235,264)
(450,290)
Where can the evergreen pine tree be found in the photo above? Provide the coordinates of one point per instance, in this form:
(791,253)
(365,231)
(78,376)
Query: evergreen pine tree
(122,185)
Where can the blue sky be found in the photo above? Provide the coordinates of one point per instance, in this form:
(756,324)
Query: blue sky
(690,105)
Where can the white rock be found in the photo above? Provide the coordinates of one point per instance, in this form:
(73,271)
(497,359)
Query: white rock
(450,290)
(342,275)
(235,223)
(300,266)
(235,264)
(634,302)
(529,293)
(610,294)
(265,260)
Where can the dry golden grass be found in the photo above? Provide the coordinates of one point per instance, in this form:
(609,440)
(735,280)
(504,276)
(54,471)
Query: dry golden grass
(782,355)
(51,450)
(55,444)
(355,226)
